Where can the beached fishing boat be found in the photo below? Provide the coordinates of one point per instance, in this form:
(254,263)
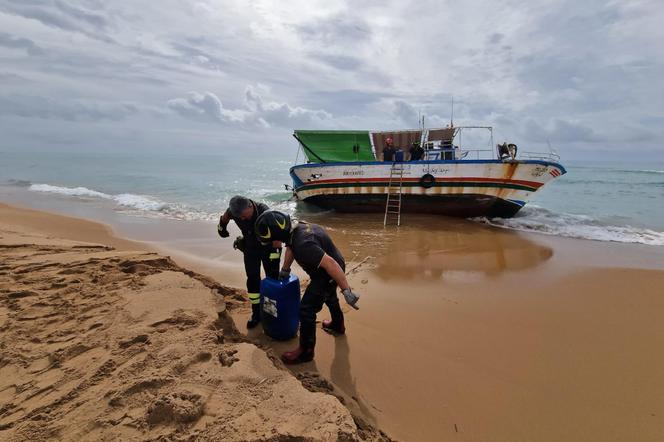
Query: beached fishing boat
(345,171)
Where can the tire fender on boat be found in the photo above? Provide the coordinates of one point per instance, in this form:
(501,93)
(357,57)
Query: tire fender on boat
(427,180)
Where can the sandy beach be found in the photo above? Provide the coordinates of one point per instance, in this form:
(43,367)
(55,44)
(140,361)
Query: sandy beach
(103,339)
(465,332)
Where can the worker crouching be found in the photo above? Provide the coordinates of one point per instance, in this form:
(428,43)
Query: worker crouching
(312,248)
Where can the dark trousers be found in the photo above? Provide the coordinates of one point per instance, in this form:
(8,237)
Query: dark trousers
(320,291)
(253,256)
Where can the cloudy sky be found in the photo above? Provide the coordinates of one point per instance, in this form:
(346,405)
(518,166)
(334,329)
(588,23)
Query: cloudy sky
(172,75)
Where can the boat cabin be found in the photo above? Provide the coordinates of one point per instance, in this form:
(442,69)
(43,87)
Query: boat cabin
(368,146)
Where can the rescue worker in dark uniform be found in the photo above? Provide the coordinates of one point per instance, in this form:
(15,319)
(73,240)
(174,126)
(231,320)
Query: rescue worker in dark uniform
(245,212)
(314,251)
(389,150)
(416,152)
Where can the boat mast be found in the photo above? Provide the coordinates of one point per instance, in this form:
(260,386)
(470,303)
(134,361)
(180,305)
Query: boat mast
(452,114)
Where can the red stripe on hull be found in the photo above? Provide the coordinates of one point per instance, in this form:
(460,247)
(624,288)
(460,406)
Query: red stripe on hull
(534,184)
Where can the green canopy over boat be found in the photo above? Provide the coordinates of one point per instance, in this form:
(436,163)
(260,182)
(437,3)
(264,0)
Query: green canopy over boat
(336,145)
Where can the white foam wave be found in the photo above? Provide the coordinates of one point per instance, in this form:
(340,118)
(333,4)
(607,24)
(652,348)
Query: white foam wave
(69,191)
(540,220)
(637,171)
(137,204)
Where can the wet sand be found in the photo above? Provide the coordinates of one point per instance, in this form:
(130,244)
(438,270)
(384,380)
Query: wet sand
(473,333)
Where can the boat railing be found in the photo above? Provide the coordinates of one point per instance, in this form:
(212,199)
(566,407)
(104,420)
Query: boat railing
(484,154)
(457,154)
(477,154)
(546,156)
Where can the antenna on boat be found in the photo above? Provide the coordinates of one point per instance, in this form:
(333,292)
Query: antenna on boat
(452,114)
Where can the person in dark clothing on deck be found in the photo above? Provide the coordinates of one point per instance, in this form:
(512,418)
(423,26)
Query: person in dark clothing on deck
(389,150)
(245,212)
(416,152)
(312,248)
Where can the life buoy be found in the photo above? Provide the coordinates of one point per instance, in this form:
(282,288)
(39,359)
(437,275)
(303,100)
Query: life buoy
(427,180)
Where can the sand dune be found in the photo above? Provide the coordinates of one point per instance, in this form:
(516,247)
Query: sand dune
(102,344)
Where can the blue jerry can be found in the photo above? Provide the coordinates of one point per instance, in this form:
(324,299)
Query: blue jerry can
(280,307)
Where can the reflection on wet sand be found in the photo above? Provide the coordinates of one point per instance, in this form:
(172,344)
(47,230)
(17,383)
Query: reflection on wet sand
(342,376)
(431,248)
(431,256)
(451,342)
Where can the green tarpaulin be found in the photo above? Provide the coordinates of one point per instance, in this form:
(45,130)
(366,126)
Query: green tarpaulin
(336,145)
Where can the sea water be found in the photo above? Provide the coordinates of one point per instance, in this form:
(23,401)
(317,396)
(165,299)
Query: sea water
(602,201)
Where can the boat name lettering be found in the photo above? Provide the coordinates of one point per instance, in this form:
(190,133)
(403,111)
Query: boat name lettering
(353,172)
(439,170)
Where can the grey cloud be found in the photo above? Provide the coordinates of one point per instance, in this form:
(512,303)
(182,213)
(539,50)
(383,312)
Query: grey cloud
(60,14)
(341,28)
(194,51)
(257,111)
(522,70)
(10,41)
(81,14)
(206,105)
(347,101)
(560,131)
(405,112)
(283,114)
(409,115)
(7,78)
(342,62)
(495,38)
(72,110)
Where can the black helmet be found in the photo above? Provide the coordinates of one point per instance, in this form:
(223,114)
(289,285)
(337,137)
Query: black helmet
(273,225)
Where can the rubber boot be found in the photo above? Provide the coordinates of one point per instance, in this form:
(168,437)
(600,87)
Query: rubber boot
(298,356)
(332,328)
(255,316)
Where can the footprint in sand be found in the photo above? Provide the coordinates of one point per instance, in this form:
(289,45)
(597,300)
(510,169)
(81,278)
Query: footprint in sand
(181,407)
(227,358)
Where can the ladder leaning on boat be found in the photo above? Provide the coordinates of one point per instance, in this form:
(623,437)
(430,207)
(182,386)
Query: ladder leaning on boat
(394,188)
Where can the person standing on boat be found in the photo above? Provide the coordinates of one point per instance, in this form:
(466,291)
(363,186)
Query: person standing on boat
(388,150)
(416,152)
(245,212)
(312,248)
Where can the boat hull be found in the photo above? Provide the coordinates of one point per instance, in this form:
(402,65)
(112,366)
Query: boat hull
(466,206)
(466,188)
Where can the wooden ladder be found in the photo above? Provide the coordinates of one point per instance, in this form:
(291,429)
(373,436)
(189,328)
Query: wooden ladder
(393,202)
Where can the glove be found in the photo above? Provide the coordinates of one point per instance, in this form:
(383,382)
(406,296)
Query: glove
(351,298)
(221,230)
(284,274)
(238,244)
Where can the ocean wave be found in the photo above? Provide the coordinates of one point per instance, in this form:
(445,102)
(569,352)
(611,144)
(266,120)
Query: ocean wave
(151,207)
(139,203)
(613,169)
(540,220)
(644,171)
(68,191)
(19,183)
